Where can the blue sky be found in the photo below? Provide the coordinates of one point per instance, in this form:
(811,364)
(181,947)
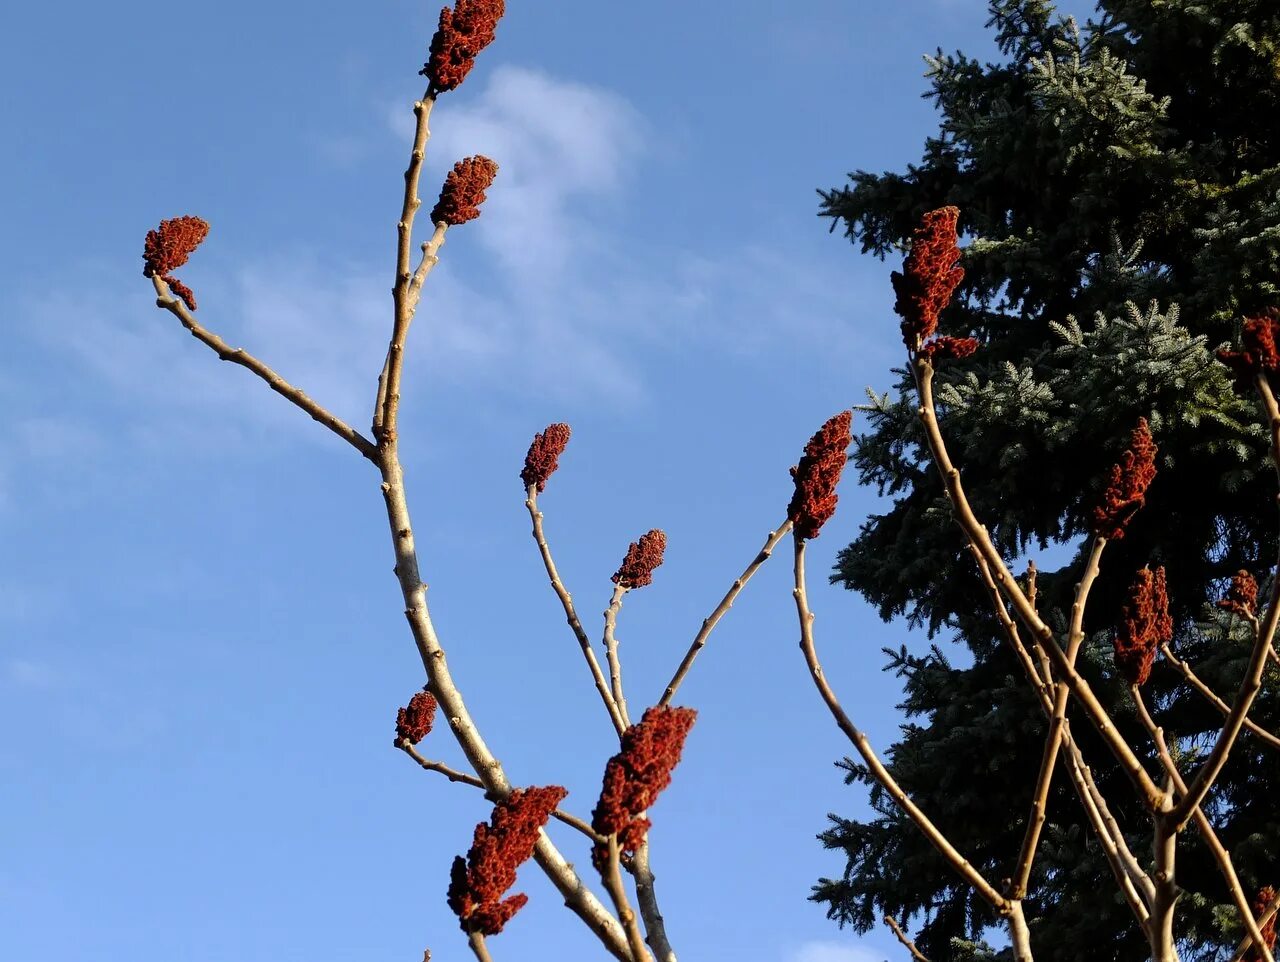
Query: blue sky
(201,641)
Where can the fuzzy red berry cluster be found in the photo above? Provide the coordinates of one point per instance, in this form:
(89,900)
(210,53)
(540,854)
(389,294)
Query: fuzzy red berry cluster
(642,557)
(1127,487)
(635,776)
(463,191)
(465,29)
(1242,597)
(817,475)
(1259,354)
(1261,903)
(478,882)
(413,722)
(544,456)
(1145,625)
(168,247)
(929,276)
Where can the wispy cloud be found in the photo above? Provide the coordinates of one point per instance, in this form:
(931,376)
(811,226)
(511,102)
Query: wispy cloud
(560,146)
(570,309)
(833,952)
(24,673)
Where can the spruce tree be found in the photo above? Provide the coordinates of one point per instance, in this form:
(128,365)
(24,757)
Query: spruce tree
(1119,182)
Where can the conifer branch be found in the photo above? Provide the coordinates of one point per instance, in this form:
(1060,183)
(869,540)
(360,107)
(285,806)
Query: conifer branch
(700,640)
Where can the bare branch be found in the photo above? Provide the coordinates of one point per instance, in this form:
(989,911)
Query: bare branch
(1220,853)
(613,884)
(700,641)
(1053,741)
(1268,914)
(1124,866)
(1160,925)
(916,954)
(481,950)
(566,601)
(1212,697)
(1148,791)
(611,652)
(413,590)
(430,257)
(175,306)
(860,741)
(654,923)
(456,776)
(389,387)
(1263,634)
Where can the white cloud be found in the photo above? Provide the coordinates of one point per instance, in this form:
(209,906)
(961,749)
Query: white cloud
(557,144)
(571,300)
(833,952)
(30,674)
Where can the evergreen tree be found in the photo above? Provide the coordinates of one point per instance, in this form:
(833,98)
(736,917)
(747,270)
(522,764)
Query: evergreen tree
(1120,183)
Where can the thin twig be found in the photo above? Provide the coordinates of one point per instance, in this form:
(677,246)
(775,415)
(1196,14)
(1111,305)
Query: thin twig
(1212,697)
(860,741)
(1038,682)
(700,640)
(1124,866)
(916,954)
(430,257)
(611,652)
(1136,886)
(454,775)
(440,682)
(175,306)
(1053,740)
(389,387)
(612,876)
(638,866)
(647,900)
(566,601)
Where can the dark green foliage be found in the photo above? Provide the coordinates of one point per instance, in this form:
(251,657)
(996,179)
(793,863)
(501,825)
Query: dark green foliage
(1119,184)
